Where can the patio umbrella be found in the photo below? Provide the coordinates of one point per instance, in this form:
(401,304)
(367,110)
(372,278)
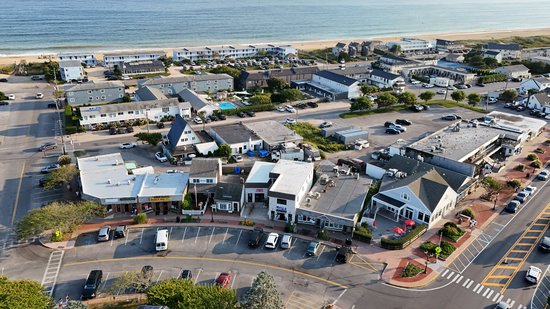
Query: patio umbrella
(410,222)
(397,230)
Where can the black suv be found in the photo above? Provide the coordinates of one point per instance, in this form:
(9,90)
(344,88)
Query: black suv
(92,284)
(222,116)
(251,113)
(255,237)
(160,125)
(241,114)
(312,104)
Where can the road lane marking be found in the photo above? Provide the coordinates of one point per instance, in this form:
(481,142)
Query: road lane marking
(486,291)
(159,276)
(445,272)
(213,229)
(466,282)
(170,233)
(457,276)
(126,239)
(234,279)
(496,296)
(339,296)
(512,303)
(239,238)
(450,274)
(191,258)
(17,194)
(500,298)
(197,277)
(225,236)
(480,289)
(183,237)
(141,236)
(197,237)
(319,256)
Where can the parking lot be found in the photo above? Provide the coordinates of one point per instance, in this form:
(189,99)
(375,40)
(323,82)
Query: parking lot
(208,251)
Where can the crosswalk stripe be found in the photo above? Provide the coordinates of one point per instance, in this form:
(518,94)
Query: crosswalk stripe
(477,287)
(445,272)
(512,303)
(469,284)
(459,279)
(490,293)
(521,307)
(500,298)
(450,275)
(496,296)
(485,293)
(466,282)
(480,289)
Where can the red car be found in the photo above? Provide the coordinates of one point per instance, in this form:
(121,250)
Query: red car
(223,280)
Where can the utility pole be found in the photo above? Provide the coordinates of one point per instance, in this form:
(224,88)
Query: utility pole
(147,119)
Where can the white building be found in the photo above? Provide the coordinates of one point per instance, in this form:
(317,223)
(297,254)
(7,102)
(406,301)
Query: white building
(383,79)
(336,85)
(538,84)
(493,54)
(71,70)
(508,51)
(338,48)
(239,138)
(86,58)
(111,59)
(232,51)
(129,112)
(181,134)
(205,171)
(514,71)
(539,101)
(411,45)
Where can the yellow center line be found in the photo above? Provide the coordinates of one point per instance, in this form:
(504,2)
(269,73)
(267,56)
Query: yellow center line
(530,237)
(493,284)
(514,259)
(18,191)
(540,224)
(519,251)
(500,277)
(505,267)
(190,258)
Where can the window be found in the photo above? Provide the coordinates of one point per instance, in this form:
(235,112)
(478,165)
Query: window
(103,97)
(195,180)
(120,95)
(405,196)
(89,92)
(184,139)
(209,180)
(130,112)
(165,109)
(71,93)
(92,116)
(103,115)
(97,98)
(120,113)
(90,98)
(306,219)
(71,100)
(281,201)
(333,226)
(112,115)
(102,90)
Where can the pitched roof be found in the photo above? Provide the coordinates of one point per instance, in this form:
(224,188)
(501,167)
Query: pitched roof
(336,77)
(492,52)
(204,167)
(429,188)
(150,93)
(384,74)
(176,130)
(185,79)
(95,86)
(131,106)
(265,75)
(70,63)
(543,98)
(352,70)
(341,45)
(228,191)
(513,46)
(514,68)
(193,98)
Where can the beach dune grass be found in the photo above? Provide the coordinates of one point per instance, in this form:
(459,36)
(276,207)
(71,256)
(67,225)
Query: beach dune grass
(394,108)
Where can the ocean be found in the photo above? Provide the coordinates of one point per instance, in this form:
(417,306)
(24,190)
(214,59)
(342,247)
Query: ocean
(41,26)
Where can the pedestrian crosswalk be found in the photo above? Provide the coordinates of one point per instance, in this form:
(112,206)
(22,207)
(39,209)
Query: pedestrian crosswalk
(477,288)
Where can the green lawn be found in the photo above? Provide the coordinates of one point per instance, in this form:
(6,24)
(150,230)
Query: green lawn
(525,42)
(312,136)
(451,104)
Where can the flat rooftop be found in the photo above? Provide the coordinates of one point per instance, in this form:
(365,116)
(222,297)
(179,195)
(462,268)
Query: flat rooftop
(343,200)
(260,172)
(234,133)
(515,121)
(167,184)
(457,145)
(273,132)
(292,175)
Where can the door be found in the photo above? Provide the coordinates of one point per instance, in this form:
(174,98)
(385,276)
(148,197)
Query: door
(408,213)
(249,198)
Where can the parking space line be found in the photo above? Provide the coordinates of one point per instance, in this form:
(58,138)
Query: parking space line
(339,296)
(465,282)
(477,287)
(170,233)
(225,236)
(496,296)
(161,271)
(112,238)
(234,279)
(141,236)
(485,293)
(238,238)
(197,277)
(126,239)
(319,255)
(490,293)
(197,237)
(178,274)
(183,237)
(212,234)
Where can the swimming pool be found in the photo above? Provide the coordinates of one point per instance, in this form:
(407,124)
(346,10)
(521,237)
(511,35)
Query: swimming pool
(226,105)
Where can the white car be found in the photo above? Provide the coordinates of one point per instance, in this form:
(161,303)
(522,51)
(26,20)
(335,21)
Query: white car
(290,109)
(428,86)
(441,91)
(530,190)
(159,156)
(451,88)
(533,274)
(286,241)
(543,175)
(280,109)
(39,95)
(11,97)
(398,127)
(326,124)
(127,145)
(415,82)
(272,239)
(197,120)
(290,121)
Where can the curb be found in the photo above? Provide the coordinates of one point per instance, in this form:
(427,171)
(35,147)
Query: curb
(430,281)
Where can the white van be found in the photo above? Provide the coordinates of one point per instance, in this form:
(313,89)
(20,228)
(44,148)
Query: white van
(161,241)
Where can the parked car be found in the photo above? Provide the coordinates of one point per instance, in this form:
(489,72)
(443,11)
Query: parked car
(36,77)
(462,86)
(4,103)
(416,108)
(197,120)
(286,241)
(104,233)
(213,117)
(521,108)
(272,239)
(290,121)
(512,207)
(521,197)
(325,124)
(502,305)
(160,125)
(403,122)
(301,105)
(129,129)
(441,91)
(241,114)
(50,168)
(533,274)
(544,244)
(237,158)
(255,237)
(543,175)
(388,124)
(3,80)
(511,105)
(186,274)
(222,116)
(92,284)
(451,88)
(398,128)
(251,114)
(11,96)
(530,190)
(127,145)
(392,131)
(425,106)
(113,131)
(120,231)
(280,109)
(312,104)
(223,280)
(290,109)
(312,248)
(161,157)
(47,146)
(39,95)
(449,117)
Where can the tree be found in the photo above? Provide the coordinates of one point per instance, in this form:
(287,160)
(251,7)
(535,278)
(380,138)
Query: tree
(509,95)
(474,99)
(361,103)
(260,99)
(407,98)
(117,72)
(64,160)
(263,293)
(395,49)
(458,95)
(291,94)
(167,61)
(130,282)
(490,63)
(223,151)
(58,216)
(344,56)
(51,71)
(426,95)
(235,73)
(368,89)
(23,294)
(276,84)
(151,138)
(492,185)
(61,176)
(126,98)
(3,96)
(386,99)
(183,294)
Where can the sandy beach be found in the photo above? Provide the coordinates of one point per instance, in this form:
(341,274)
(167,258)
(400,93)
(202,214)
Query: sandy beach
(310,45)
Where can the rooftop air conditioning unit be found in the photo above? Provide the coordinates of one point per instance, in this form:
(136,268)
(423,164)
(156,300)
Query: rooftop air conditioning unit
(109,181)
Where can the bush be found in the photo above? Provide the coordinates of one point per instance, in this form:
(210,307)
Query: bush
(189,219)
(323,235)
(467,212)
(411,270)
(247,222)
(57,236)
(532,157)
(429,247)
(64,160)
(250,108)
(451,231)
(140,218)
(290,228)
(447,248)
(492,78)
(519,167)
(514,183)
(404,241)
(536,164)
(362,233)
(539,150)
(70,130)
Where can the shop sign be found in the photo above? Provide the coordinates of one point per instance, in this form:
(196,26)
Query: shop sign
(160,199)
(281,208)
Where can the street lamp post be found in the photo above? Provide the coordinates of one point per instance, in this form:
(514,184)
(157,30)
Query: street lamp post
(147,119)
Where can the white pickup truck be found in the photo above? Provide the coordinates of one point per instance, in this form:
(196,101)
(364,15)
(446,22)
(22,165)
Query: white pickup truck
(360,144)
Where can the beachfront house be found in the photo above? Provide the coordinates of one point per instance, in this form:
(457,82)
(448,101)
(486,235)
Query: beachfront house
(86,58)
(456,58)
(249,79)
(94,93)
(508,51)
(330,85)
(410,45)
(112,59)
(71,70)
(233,51)
(493,54)
(211,83)
(128,113)
(514,71)
(142,67)
(338,48)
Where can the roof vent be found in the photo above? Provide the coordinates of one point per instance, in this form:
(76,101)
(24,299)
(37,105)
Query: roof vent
(109,181)
(128,181)
(118,183)
(156,179)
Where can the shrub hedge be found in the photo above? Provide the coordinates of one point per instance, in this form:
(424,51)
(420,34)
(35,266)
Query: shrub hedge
(536,164)
(532,157)
(362,233)
(411,270)
(451,231)
(492,78)
(447,248)
(250,108)
(467,212)
(404,241)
